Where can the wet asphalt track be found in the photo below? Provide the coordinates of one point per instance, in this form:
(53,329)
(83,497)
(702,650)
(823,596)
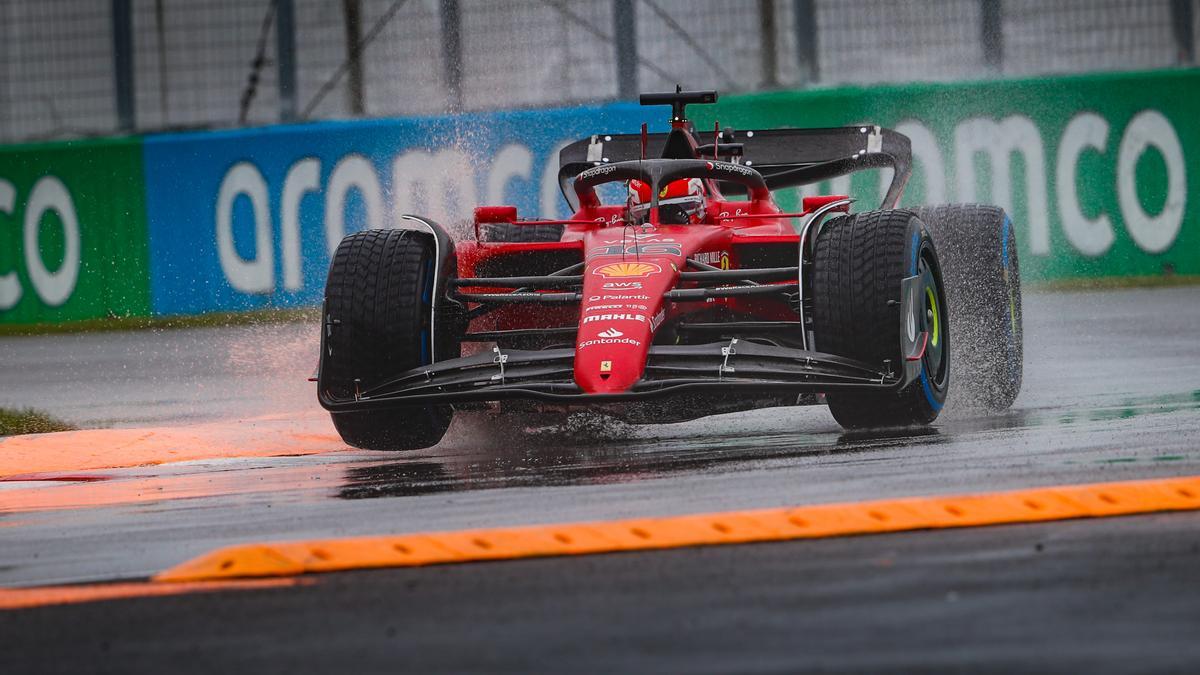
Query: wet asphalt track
(1112,392)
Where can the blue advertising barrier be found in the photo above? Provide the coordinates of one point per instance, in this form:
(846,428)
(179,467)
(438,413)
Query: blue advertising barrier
(248,219)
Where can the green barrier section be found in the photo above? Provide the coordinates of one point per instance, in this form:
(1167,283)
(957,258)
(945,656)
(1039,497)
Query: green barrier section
(1098,171)
(72,232)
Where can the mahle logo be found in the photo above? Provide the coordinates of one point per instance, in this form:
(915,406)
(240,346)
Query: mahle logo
(53,286)
(615,317)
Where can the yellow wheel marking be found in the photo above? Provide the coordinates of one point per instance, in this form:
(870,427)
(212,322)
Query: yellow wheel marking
(937,321)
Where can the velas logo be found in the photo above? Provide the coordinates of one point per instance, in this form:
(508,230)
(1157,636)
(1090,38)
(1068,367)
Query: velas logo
(658,319)
(627,269)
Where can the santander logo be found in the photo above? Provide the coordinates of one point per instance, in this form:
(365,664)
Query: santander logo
(611,333)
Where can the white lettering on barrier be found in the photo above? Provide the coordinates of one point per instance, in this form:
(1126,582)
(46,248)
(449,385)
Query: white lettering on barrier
(438,184)
(1089,236)
(443,185)
(49,194)
(10,285)
(53,288)
(1153,234)
(512,161)
(416,176)
(304,177)
(253,275)
(998,141)
(352,172)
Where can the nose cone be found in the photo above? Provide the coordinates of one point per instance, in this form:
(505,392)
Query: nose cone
(621,308)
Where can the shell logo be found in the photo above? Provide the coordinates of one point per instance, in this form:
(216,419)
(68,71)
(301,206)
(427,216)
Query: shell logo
(627,269)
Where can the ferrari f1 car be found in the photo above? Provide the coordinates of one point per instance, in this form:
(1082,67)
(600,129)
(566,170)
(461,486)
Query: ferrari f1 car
(693,294)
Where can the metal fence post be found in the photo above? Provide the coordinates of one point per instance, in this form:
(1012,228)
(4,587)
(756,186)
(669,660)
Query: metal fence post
(285,58)
(1185,31)
(766,27)
(991,33)
(354,79)
(452,53)
(806,41)
(625,42)
(122,32)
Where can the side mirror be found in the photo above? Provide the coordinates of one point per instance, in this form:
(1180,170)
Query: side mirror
(815,202)
(495,214)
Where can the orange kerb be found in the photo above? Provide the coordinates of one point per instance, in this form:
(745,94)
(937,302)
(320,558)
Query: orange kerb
(114,448)
(25,598)
(805,522)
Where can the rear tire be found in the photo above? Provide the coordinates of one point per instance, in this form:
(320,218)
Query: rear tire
(978,249)
(512,233)
(858,265)
(377,309)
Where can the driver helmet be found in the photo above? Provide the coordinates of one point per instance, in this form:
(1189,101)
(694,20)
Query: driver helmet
(681,202)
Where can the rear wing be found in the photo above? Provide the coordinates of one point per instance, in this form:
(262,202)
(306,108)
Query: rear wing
(784,157)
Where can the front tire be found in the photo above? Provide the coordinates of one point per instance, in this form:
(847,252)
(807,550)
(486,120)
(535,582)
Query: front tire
(378,321)
(858,266)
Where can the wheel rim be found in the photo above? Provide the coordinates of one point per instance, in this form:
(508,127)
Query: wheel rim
(934,359)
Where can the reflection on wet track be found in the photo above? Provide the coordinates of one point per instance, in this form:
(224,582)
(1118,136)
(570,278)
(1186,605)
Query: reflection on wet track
(543,464)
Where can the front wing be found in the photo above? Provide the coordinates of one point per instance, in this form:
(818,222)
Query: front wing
(736,366)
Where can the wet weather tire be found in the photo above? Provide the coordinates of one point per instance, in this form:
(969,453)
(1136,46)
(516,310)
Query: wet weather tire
(512,233)
(377,322)
(858,266)
(978,250)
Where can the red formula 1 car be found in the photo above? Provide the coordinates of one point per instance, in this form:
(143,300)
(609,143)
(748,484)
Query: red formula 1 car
(693,294)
